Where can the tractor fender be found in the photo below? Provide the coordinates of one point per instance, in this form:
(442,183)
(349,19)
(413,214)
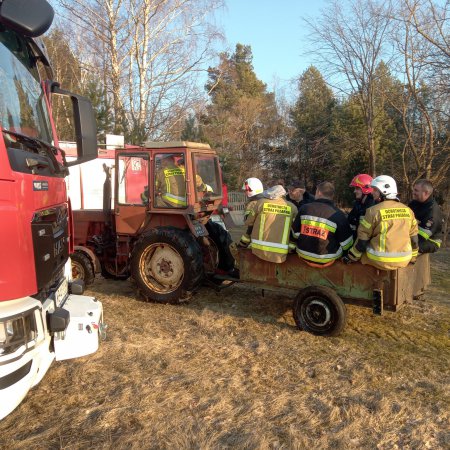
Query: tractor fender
(90,254)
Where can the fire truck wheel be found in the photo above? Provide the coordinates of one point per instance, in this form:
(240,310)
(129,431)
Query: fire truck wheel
(82,268)
(319,310)
(167,264)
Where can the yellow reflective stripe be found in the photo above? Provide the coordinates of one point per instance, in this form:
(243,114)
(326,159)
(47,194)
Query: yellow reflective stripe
(347,243)
(437,242)
(314,259)
(270,246)
(245,238)
(174,199)
(324,226)
(383,236)
(389,258)
(261,227)
(287,226)
(415,252)
(167,185)
(355,252)
(364,223)
(292,246)
(426,234)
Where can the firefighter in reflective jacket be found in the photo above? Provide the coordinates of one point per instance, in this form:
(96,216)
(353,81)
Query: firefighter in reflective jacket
(269,226)
(428,216)
(253,189)
(387,234)
(322,230)
(170,183)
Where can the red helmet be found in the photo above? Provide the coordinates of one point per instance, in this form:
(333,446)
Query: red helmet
(363,181)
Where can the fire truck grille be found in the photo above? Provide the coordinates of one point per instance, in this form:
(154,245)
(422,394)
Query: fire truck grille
(49,229)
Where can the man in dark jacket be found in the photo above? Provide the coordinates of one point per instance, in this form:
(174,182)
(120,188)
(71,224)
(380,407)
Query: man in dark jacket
(428,215)
(298,195)
(322,229)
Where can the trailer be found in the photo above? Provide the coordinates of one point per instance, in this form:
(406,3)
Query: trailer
(321,293)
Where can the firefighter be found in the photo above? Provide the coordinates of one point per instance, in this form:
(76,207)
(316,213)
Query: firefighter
(387,234)
(428,215)
(322,230)
(269,226)
(298,195)
(363,200)
(170,183)
(253,189)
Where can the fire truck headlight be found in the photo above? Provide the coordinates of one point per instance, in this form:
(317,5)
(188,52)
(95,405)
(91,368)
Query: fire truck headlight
(17,332)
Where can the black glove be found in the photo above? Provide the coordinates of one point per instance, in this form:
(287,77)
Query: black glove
(347,260)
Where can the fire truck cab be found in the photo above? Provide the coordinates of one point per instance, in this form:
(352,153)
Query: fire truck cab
(43,315)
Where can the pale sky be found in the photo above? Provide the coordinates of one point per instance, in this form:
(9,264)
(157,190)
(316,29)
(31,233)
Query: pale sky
(276,33)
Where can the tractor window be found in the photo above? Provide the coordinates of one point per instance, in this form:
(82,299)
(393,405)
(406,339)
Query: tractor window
(207,176)
(170,181)
(132,179)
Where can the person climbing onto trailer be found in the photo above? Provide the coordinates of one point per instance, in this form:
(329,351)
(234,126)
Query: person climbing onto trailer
(388,233)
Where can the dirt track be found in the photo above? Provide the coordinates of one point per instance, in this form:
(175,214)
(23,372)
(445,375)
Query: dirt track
(230,370)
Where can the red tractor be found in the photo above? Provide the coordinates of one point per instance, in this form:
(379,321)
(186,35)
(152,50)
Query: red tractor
(158,228)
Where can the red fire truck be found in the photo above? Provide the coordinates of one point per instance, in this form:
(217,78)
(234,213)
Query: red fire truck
(43,315)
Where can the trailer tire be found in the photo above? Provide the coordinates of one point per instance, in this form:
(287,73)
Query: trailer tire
(82,267)
(167,265)
(320,311)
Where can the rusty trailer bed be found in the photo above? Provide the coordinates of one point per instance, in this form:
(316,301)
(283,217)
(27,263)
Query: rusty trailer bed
(354,283)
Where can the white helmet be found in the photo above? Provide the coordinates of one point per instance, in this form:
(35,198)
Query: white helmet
(252,186)
(386,185)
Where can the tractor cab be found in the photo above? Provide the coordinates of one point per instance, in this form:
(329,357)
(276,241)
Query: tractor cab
(165,180)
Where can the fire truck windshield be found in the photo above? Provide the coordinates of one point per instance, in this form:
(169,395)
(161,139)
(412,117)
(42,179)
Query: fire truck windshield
(22,103)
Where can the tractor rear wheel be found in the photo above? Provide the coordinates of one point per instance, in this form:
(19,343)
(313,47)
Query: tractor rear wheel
(167,264)
(82,268)
(319,310)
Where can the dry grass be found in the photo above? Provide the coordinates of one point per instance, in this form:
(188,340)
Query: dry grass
(230,370)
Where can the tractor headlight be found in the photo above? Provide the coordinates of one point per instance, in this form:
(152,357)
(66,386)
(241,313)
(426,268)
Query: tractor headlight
(16,332)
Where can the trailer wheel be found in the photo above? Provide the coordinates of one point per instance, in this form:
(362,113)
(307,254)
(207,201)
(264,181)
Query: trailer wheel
(82,268)
(319,310)
(167,264)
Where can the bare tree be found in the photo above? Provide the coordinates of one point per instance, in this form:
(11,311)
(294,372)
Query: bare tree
(424,59)
(349,42)
(148,53)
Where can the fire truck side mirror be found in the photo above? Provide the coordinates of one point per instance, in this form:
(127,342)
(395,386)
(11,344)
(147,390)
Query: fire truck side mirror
(85,126)
(28,17)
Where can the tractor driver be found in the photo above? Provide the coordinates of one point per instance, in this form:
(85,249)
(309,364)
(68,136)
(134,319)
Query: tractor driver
(170,183)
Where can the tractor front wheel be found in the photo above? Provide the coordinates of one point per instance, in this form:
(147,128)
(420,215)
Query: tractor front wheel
(82,268)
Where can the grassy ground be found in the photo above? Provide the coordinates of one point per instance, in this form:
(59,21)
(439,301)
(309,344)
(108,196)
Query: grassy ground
(230,370)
